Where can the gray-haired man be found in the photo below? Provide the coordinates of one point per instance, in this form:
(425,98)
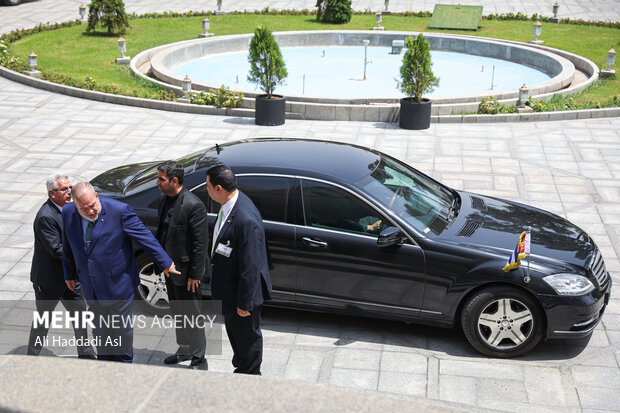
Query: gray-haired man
(46,272)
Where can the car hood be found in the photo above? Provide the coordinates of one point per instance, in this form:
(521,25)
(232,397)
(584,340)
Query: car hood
(496,224)
(115,181)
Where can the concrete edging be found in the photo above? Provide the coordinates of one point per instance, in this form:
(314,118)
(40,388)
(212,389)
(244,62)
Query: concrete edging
(343,112)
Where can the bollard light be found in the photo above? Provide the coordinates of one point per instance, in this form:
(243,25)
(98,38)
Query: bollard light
(32,60)
(556,6)
(609,61)
(122,48)
(611,58)
(206,25)
(186,86)
(387,4)
(537,30)
(379,19)
(524,94)
(82,11)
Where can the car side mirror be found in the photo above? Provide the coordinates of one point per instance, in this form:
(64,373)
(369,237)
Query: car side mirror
(389,237)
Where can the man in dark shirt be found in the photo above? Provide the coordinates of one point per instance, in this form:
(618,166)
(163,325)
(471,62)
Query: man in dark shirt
(182,231)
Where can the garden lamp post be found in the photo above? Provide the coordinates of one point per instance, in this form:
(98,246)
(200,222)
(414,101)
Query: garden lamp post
(537,30)
(32,62)
(609,61)
(206,25)
(186,87)
(555,19)
(122,48)
(524,94)
(379,19)
(82,10)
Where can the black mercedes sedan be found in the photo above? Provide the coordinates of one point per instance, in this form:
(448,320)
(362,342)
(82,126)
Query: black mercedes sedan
(352,230)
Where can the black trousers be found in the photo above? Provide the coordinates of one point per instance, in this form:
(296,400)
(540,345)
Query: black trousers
(114,329)
(246,340)
(46,300)
(191,339)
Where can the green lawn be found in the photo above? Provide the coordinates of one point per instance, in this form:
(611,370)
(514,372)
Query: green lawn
(72,52)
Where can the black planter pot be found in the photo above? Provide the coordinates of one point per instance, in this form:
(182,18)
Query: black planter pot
(415,115)
(270,112)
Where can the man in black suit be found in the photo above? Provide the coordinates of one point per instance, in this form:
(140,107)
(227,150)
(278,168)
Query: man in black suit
(240,273)
(46,272)
(183,232)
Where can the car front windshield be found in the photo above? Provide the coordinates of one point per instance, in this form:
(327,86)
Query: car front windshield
(417,199)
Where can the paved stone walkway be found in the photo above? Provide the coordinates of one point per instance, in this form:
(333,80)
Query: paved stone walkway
(571,168)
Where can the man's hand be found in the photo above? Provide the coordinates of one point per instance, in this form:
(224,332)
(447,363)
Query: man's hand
(172,269)
(242,313)
(70,284)
(193,284)
(374,227)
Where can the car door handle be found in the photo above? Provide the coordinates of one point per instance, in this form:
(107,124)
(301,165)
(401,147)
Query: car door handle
(314,243)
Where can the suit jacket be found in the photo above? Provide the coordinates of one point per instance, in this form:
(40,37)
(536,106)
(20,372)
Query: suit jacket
(46,269)
(107,270)
(241,280)
(187,238)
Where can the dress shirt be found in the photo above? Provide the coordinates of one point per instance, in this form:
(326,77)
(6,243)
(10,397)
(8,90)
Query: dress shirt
(226,208)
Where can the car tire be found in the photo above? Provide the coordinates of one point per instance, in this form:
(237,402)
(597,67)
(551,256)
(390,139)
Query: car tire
(502,321)
(12,2)
(152,288)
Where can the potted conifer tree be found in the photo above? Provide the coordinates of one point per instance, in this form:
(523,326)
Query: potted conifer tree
(267,70)
(416,79)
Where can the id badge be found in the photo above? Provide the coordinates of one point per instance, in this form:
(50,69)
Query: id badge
(223,250)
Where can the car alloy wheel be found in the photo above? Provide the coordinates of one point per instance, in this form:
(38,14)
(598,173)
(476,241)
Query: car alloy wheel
(502,322)
(152,289)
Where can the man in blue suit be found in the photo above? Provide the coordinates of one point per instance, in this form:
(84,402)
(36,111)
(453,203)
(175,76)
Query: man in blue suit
(97,250)
(240,271)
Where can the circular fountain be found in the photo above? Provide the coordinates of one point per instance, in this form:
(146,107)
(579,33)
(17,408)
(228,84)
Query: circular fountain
(371,55)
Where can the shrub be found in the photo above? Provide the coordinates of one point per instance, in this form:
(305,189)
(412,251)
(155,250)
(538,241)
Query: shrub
(334,11)
(221,98)
(108,13)
(416,72)
(267,68)
(490,106)
(11,62)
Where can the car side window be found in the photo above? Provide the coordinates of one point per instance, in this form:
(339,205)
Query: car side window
(202,193)
(269,194)
(329,207)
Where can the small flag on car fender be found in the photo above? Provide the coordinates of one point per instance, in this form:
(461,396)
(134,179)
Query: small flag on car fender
(521,250)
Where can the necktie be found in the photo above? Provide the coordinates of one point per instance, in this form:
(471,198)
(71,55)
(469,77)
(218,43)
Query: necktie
(217,229)
(89,233)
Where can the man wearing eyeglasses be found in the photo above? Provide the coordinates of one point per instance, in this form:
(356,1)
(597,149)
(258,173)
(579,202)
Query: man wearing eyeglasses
(46,272)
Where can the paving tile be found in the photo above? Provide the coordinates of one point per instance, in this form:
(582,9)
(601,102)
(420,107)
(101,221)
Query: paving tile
(402,383)
(457,389)
(359,379)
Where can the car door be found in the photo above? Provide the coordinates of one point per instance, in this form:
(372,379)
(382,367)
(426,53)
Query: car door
(339,263)
(270,194)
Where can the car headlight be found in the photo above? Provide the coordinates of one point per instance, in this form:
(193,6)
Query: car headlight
(569,284)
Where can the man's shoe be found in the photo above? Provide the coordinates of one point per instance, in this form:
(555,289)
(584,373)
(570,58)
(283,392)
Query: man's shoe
(87,356)
(199,363)
(176,359)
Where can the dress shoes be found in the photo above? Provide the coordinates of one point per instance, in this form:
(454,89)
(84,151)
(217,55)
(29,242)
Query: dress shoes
(176,359)
(199,363)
